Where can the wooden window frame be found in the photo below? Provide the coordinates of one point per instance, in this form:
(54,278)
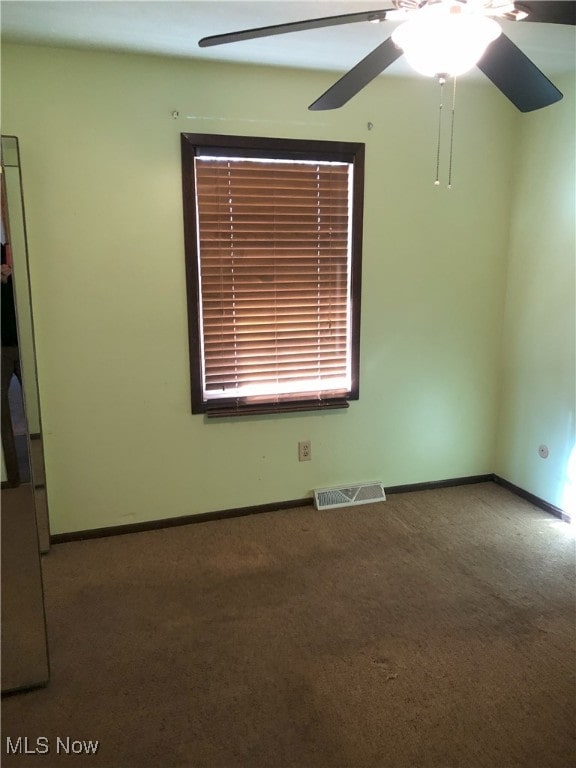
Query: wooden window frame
(285,149)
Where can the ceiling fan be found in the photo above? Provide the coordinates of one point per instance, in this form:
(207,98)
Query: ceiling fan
(442,38)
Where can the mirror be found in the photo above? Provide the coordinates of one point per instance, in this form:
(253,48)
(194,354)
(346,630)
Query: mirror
(25,528)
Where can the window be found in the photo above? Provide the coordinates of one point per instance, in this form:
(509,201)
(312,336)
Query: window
(273,236)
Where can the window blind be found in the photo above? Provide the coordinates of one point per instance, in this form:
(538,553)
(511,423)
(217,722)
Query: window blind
(274,267)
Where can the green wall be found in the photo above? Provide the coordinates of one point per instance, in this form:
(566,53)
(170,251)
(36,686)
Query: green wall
(539,346)
(101,166)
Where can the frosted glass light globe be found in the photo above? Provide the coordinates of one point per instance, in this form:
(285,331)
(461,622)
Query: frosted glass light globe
(445,42)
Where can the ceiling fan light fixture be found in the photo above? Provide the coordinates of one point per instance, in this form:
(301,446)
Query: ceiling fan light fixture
(445,42)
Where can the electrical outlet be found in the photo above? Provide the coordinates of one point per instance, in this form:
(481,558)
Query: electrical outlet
(304,450)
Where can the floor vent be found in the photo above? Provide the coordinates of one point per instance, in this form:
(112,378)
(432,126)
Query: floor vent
(349,495)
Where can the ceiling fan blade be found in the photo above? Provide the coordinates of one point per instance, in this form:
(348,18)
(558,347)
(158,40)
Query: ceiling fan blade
(295,26)
(517,76)
(359,76)
(549,11)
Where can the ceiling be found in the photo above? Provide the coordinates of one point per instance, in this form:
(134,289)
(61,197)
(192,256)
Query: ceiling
(173,28)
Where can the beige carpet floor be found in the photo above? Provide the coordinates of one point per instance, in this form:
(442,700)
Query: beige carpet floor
(435,630)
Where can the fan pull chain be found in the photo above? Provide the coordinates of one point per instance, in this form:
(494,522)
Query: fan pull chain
(452,134)
(441,81)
